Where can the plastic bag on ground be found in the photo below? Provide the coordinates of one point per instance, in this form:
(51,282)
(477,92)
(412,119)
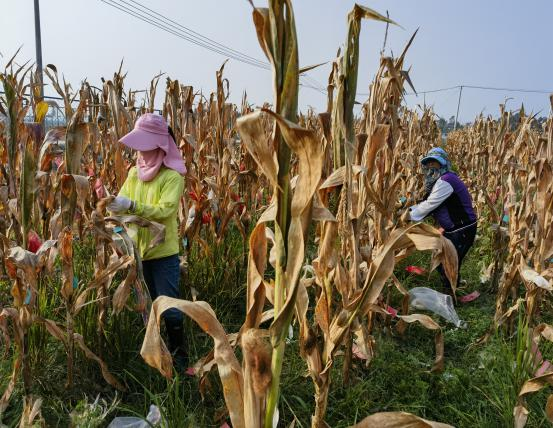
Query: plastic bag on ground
(153,418)
(423,298)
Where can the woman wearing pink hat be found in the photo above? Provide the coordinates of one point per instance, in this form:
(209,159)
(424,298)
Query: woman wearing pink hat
(153,190)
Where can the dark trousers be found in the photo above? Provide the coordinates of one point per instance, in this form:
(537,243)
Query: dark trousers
(162,278)
(462,240)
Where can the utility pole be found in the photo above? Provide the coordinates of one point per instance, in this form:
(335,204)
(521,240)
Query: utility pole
(38,45)
(458,105)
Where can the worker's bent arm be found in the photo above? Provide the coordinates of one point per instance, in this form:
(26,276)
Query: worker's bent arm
(440,192)
(168,204)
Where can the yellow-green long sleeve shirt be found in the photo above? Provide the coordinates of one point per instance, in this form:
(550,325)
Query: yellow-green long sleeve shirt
(157,200)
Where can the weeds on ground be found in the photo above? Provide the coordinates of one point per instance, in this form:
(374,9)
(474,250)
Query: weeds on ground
(478,387)
(92,415)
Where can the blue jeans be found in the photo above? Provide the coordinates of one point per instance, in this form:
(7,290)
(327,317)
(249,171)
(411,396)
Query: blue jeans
(162,278)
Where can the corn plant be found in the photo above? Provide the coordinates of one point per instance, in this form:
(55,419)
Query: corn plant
(270,174)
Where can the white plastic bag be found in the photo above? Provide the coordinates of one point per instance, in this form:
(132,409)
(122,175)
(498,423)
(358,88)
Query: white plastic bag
(423,298)
(154,418)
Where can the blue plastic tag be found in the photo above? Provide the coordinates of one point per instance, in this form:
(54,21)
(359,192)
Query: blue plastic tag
(402,199)
(506,218)
(28,297)
(75,282)
(118,229)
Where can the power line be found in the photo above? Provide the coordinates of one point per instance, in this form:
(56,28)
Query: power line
(322,91)
(172,30)
(489,88)
(193,33)
(433,90)
(535,91)
(176,32)
(166,24)
(313,84)
(366,94)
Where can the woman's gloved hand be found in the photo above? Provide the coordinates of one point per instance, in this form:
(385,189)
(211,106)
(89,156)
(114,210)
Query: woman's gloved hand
(120,204)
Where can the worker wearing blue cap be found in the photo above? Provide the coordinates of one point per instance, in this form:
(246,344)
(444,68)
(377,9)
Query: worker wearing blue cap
(448,201)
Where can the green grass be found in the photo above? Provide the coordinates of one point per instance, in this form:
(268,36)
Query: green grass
(476,389)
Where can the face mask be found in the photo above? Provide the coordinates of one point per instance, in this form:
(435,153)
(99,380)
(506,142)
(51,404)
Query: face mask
(431,175)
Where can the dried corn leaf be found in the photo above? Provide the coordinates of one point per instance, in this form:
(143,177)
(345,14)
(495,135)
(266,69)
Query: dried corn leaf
(155,352)
(337,176)
(542,330)
(31,416)
(65,245)
(320,212)
(307,147)
(530,275)
(27,188)
(123,291)
(58,333)
(398,420)
(257,374)
(269,214)
(443,251)
(535,384)
(110,270)
(380,271)
(253,136)
(257,262)
(520,414)
(5,315)
(157,230)
(108,377)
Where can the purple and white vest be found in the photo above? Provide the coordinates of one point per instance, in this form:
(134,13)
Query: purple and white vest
(457,210)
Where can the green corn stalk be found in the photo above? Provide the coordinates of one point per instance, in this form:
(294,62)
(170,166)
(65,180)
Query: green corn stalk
(29,165)
(345,76)
(277,36)
(12,106)
(345,82)
(10,98)
(276,32)
(73,154)
(27,180)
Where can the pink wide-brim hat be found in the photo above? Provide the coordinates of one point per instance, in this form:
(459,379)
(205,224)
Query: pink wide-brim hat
(151,132)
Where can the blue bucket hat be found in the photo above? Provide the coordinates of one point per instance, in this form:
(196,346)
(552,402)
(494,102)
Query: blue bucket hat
(437,154)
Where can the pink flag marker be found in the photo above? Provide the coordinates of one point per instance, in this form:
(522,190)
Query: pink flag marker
(469,297)
(544,368)
(357,353)
(33,241)
(391,311)
(99,188)
(416,270)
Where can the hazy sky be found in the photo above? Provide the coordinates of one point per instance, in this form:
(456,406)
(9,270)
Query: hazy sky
(500,43)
